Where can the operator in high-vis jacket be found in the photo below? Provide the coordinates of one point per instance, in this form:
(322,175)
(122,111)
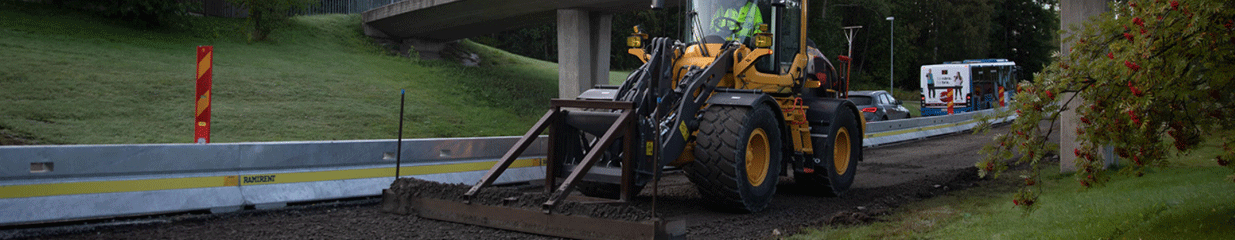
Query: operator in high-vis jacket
(737,19)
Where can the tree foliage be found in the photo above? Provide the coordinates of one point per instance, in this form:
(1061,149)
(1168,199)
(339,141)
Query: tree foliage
(1155,77)
(1024,31)
(267,15)
(147,13)
(538,41)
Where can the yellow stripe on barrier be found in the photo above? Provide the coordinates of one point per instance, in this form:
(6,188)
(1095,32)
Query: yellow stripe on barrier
(73,188)
(904,131)
(53,189)
(277,178)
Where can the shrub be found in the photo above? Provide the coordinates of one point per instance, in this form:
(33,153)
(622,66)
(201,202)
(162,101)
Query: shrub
(267,15)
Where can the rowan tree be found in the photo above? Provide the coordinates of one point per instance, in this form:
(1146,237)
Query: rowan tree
(1156,78)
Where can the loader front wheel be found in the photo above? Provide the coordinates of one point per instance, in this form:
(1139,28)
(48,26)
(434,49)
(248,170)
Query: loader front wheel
(737,157)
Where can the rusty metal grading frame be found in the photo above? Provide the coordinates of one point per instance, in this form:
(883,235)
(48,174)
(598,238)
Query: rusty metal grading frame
(545,222)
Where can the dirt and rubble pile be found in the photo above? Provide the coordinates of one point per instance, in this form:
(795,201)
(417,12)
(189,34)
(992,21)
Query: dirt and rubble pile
(407,188)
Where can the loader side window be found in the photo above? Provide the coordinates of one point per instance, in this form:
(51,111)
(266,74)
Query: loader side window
(788,35)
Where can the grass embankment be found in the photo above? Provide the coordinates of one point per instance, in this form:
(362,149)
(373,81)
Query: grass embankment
(72,77)
(1190,200)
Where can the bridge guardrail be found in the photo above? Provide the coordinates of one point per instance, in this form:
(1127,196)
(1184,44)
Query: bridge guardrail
(52,183)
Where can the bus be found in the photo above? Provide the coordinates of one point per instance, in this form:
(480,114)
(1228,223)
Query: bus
(965,86)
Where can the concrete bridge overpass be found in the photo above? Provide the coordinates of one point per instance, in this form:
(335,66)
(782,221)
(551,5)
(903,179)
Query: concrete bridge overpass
(583,29)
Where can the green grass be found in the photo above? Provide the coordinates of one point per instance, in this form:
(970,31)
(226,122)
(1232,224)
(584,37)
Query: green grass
(1191,200)
(617,77)
(915,107)
(71,77)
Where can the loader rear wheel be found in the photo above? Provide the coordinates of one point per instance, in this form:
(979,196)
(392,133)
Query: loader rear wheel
(737,157)
(839,154)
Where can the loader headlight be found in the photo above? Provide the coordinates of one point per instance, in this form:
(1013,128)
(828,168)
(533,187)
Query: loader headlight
(634,41)
(763,40)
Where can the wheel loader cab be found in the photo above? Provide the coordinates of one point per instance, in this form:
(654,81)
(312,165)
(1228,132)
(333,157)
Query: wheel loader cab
(726,20)
(714,26)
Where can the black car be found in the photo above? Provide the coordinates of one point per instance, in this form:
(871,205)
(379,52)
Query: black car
(878,105)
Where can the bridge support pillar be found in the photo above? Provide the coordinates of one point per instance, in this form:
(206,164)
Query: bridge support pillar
(583,42)
(1075,12)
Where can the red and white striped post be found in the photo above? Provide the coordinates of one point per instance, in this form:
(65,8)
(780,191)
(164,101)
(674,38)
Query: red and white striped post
(205,63)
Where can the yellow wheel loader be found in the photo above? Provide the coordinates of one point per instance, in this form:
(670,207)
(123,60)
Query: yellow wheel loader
(741,99)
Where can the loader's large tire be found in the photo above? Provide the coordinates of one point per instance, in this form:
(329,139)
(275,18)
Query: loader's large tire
(737,157)
(839,153)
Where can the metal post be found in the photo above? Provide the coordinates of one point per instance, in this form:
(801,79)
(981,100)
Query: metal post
(850,32)
(399,142)
(891,55)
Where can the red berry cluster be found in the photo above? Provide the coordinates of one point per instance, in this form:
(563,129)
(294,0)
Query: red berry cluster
(1135,91)
(1132,65)
(1083,155)
(1183,136)
(1135,118)
(1027,202)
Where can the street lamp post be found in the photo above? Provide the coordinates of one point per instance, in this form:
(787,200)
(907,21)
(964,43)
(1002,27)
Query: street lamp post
(891,54)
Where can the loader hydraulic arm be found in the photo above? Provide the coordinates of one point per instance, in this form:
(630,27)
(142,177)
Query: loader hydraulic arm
(673,108)
(692,94)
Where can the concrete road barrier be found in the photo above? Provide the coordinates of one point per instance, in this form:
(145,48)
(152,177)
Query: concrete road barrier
(74,182)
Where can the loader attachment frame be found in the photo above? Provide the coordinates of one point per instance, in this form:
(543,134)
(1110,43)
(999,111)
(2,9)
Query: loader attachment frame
(554,120)
(545,221)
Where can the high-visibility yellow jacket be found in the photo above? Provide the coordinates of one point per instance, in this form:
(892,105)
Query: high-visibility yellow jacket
(748,17)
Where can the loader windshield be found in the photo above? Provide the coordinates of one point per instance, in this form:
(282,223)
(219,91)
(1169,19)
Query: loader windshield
(726,20)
